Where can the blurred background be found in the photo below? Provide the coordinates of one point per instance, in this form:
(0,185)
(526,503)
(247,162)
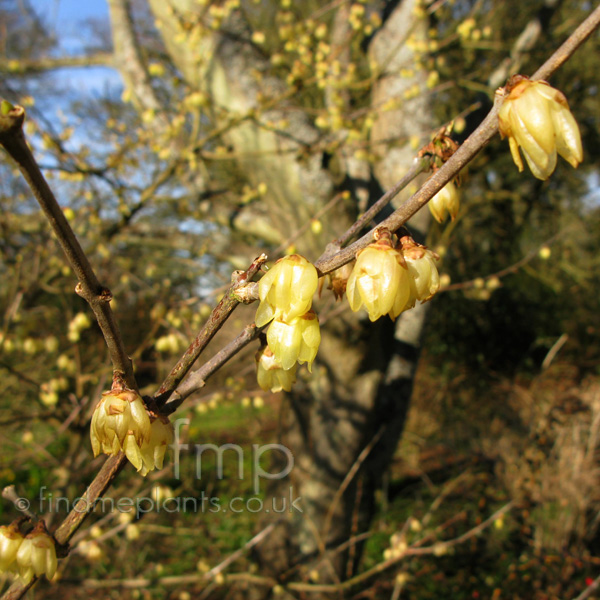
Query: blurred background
(182,138)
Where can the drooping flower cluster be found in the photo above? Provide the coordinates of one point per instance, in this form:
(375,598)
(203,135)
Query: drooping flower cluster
(286,293)
(121,423)
(389,278)
(536,118)
(29,556)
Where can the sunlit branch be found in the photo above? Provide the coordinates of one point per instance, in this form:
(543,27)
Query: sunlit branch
(465,153)
(25,66)
(88,286)
(215,321)
(11,137)
(198,378)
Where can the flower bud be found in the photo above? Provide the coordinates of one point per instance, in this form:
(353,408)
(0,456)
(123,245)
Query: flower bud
(445,201)
(286,290)
(379,280)
(297,340)
(10,541)
(37,555)
(270,374)
(424,276)
(536,118)
(120,422)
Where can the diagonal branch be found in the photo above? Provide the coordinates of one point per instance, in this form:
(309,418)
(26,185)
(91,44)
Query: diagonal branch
(88,286)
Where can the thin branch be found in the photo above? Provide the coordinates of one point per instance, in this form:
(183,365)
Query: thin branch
(437,548)
(21,504)
(465,154)
(419,165)
(198,378)
(595,585)
(88,287)
(349,477)
(215,321)
(11,137)
(38,65)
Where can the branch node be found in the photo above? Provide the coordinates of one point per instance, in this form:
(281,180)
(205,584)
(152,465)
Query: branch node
(247,294)
(105,295)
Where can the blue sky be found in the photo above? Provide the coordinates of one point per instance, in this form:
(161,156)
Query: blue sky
(67,19)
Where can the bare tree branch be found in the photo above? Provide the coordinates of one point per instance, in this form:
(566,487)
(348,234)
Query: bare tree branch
(465,154)
(215,321)
(88,286)
(40,65)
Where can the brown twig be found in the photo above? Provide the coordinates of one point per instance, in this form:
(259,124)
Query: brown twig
(465,154)
(419,165)
(349,477)
(215,321)
(437,548)
(88,286)
(590,589)
(21,504)
(197,379)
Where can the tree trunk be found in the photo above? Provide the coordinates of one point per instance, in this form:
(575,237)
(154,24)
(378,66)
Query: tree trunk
(342,423)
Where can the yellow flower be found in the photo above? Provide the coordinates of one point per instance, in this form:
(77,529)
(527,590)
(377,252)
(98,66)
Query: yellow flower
(446,200)
(270,374)
(424,276)
(379,280)
(10,541)
(36,555)
(536,118)
(153,452)
(120,422)
(286,290)
(297,340)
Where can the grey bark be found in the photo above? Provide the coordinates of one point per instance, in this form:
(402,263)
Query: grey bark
(131,63)
(360,389)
